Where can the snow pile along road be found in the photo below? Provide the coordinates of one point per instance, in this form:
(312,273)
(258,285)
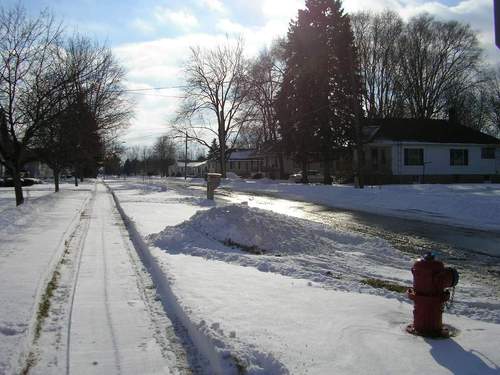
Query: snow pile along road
(290,246)
(303,249)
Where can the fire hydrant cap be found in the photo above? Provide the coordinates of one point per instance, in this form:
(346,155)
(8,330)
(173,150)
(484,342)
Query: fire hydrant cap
(429,256)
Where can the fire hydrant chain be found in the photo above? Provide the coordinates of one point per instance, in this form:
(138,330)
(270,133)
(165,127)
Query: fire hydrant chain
(450,302)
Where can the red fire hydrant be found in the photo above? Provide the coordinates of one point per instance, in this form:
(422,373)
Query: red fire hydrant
(429,294)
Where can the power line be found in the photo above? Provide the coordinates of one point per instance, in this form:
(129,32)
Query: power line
(157,95)
(155,88)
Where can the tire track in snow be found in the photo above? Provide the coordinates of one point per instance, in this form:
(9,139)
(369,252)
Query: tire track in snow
(31,357)
(111,330)
(81,241)
(109,319)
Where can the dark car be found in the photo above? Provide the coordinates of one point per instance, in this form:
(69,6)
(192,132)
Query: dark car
(8,182)
(26,181)
(312,176)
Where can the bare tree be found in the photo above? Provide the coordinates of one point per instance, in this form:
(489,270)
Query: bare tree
(265,79)
(97,82)
(27,55)
(377,37)
(146,153)
(164,153)
(494,101)
(89,111)
(436,58)
(216,89)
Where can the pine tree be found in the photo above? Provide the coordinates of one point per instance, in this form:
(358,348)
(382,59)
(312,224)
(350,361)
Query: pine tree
(213,152)
(319,103)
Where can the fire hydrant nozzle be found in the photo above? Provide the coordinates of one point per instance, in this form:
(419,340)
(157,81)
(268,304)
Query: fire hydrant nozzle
(431,280)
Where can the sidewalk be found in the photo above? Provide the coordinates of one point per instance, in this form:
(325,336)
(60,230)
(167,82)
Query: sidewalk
(111,330)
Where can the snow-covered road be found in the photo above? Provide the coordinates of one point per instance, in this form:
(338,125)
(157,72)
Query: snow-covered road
(111,331)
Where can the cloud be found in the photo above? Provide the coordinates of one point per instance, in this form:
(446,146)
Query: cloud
(227,26)
(286,9)
(182,18)
(143,26)
(213,5)
(159,63)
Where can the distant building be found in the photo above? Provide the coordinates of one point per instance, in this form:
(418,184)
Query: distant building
(263,162)
(243,162)
(32,169)
(194,168)
(430,151)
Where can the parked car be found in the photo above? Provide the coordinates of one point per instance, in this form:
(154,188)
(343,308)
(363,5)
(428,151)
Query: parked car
(28,181)
(8,182)
(25,181)
(312,176)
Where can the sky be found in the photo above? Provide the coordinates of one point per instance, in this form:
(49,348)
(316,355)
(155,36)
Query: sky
(151,39)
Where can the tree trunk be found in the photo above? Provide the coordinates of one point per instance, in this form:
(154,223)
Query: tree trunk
(56,179)
(304,178)
(281,163)
(18,186)
(222,159)
(358,174)
(327,172)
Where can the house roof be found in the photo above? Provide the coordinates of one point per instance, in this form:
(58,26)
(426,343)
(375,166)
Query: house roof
(191,164)
(240,154)
(432,131)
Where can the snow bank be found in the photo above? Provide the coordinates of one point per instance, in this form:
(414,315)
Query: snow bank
(272,242)
(289,246)
(267,232)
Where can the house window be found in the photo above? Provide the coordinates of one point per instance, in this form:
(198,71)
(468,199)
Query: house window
(459,156)
(488,153)
(414,156)
(383,156)
(230,165)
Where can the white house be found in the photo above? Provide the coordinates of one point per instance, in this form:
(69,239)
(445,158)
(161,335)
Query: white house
(243,162)
(194,168)
(410,150)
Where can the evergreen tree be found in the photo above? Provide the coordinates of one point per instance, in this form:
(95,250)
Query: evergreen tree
(319,103)
(213,152)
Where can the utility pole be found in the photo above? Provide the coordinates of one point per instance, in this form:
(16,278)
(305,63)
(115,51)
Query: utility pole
(496,11)
(186,158)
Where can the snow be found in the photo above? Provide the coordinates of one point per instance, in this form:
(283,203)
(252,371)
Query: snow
(300,328)
(111,331)
(308,312)
(293,247)
(264,291)
(102,316)
(31,193)
(33,237)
